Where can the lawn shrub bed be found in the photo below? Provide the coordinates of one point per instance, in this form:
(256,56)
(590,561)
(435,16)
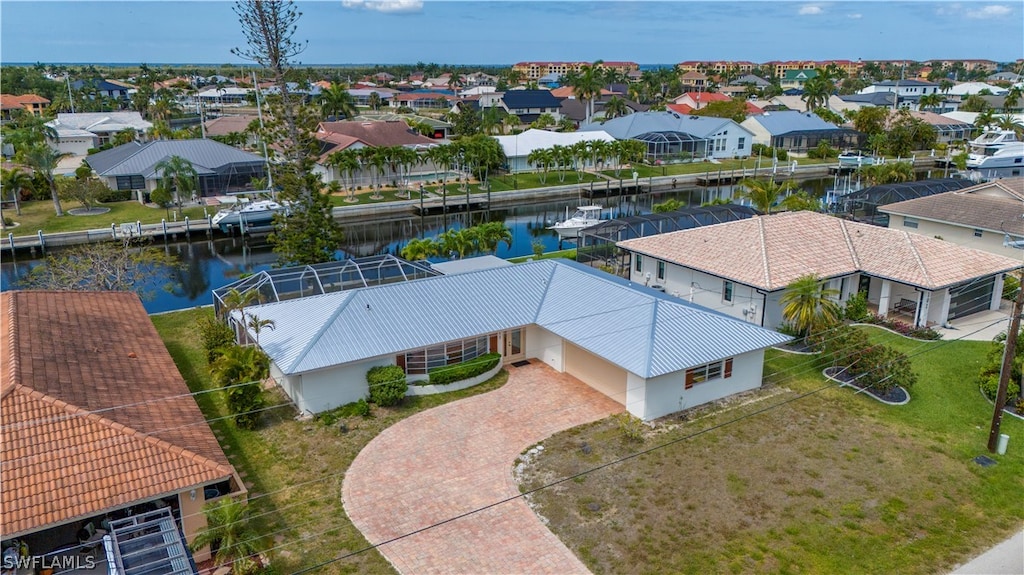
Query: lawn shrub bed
(465,370)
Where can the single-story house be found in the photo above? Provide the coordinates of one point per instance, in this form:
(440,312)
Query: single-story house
(671,137)
(338,136)
(799,131)
(223,96)
(742,268)
(518,147)
(757,81)
(947,130)
(697,100)
(985,217)
(441,129)
(653,353)
(81,132)
(99,429)
(221,168)
(964,89)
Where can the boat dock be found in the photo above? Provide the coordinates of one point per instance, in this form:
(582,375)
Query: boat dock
(434,204)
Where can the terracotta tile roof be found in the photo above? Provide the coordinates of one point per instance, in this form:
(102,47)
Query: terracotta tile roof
(95,414)
(378,133)
(994,206)
(769,252)
(225,125)
(681,108)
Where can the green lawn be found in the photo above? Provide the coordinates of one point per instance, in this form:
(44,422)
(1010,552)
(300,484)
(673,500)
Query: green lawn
(40,215)
(828,483)
(559,254)
(299,464)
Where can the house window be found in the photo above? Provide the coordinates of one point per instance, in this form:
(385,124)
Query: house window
(727,291)
(421,361)
(977,233)
(910,222)
(661,270)
(741,144)
(639,263)
(708,372)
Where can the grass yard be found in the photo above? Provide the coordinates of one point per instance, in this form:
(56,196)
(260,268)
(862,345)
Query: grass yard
(300,465)
(39,215)
(559,254)
(830,483)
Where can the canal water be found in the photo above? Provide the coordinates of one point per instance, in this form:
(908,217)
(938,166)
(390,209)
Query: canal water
(209,264)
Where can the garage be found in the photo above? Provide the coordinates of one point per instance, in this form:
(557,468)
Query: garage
(596,372)
(971,297)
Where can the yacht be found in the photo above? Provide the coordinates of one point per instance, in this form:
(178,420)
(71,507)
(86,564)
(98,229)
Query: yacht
(247,215)
(996,153)
(583,217)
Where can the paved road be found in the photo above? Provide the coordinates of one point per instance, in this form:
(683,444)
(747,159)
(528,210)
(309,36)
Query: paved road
(1007,558)
(458,457)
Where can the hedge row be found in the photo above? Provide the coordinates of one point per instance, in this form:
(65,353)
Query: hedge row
(465,370)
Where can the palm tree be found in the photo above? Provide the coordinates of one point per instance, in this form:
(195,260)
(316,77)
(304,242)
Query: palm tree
(336,101)
(1009,122)
(419,249)
(614,108)
(763,194)
(494,233)
(580,153)
(931,101)
(374,101)
(257,325)
(164,107)
(180,174)
(347,164)
(809,306)
(985,118)
(510,122)
(13,182)
(540,158)
(817,91)
(228,531)
(1013,98)
(239,300)
(586,85)
(43,159)
(239,364)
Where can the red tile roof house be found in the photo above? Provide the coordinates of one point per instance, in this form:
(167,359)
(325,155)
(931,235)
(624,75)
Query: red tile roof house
(338,136)
(697,100)
(742,268)
(98,426)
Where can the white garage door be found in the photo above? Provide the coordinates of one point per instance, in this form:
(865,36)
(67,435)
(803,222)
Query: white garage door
(596,372)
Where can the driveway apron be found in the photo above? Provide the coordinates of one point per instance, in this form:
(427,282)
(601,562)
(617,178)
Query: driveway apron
(458,457)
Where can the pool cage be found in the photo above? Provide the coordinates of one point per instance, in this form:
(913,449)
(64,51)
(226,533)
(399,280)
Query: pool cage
(597,243)
(302,281)
(862,205)
(673,147)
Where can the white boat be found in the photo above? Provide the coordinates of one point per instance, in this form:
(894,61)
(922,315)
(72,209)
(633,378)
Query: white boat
(248,214)
(583,217)
(996,153)
(853,160)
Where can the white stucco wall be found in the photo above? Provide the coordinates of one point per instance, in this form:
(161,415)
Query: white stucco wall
(545,346)
(668,394)
(77,146)
(325,389)
(706,289)
(761,135)
(990,241)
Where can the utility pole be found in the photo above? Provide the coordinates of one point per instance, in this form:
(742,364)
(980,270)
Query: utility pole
(1009,353)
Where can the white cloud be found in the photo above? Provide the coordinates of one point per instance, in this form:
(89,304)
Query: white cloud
(386,6)
(855,16)
(810,10)
(948,9)
(990,11)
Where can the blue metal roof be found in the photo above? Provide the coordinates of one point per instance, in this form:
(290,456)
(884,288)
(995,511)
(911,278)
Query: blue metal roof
(633,125)
(206,156)
(641,330)
(779,123)
(517,99)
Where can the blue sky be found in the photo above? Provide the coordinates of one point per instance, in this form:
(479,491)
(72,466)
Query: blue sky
(472,32)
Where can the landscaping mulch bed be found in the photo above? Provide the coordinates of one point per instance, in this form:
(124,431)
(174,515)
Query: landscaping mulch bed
(896,395)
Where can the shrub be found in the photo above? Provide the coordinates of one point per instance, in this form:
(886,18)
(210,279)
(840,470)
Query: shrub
(990,386)
(538,249)
(822,151)
(1019,404)
(357,408)
(215,336)
(245,402)
(856,308)
(8,221)
(387,385)
(1010,286)
(114,196)
(631,427)
(465,370)
(882,368)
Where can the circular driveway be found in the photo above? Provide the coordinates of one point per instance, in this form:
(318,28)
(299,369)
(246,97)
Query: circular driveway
(458,457)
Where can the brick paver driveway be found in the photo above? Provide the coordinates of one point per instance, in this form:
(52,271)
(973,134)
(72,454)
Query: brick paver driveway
(457,457)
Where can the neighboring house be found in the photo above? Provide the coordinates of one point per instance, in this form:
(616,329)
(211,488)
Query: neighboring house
(221,168)
(549,80)
(27,103)
(796,78)
(799,131)
(528,105)
(479,79)
(576,110)
(441,129)
(629,342)
(423,100)
(230,125)
(223,96)
(742,268)
(518,147)
(697,100)
(985,217)
(101,88)
(338,136)
(964,89)
(876,99)
(838,104)
(758,82)
(99,426)
(1011,77)
(671,137)
(78,133)
(947,130)
(908,92)
(361,96)
(694,79)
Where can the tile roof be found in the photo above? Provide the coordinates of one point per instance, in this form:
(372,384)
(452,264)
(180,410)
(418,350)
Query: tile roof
(379,134)
(994,206)
(770,252)
(225,125)
(638,329)
(95,414)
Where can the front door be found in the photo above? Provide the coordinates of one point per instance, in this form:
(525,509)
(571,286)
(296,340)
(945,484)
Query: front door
(515,346)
